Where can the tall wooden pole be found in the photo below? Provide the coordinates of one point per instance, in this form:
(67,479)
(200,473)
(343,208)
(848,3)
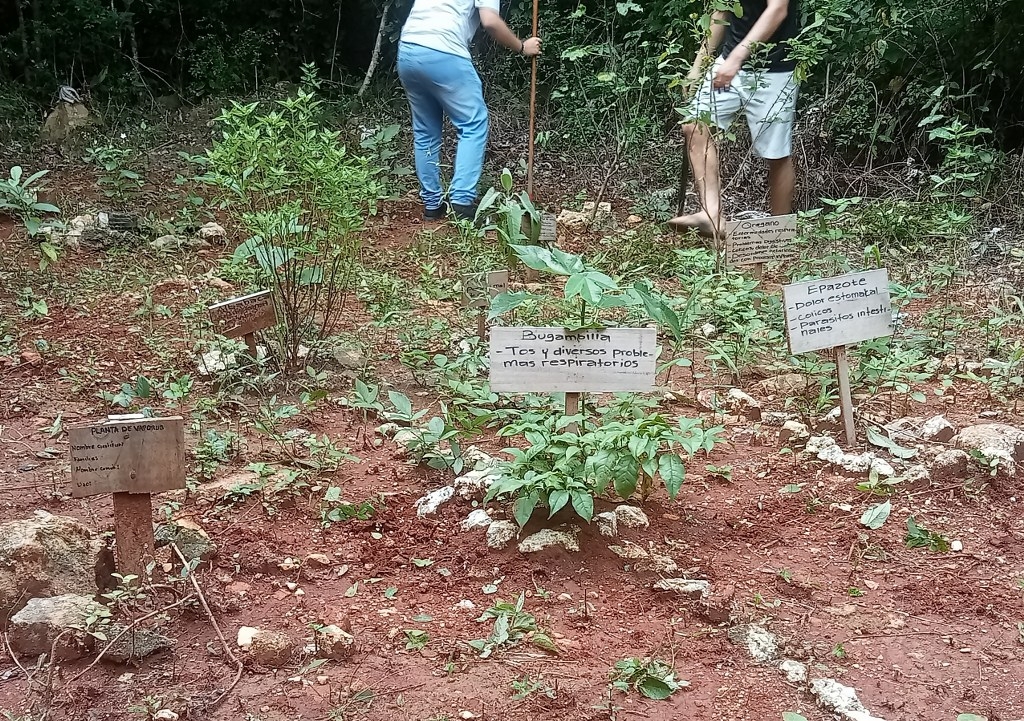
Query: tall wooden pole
(533,108)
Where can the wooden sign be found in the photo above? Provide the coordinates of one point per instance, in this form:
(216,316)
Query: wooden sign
(837,311)
(548,228)
(548,360)
(144,455)
(244,316)
(130,457)
(479,288)
(753,242)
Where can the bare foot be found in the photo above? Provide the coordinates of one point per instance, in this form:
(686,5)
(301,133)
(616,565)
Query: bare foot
(701,222)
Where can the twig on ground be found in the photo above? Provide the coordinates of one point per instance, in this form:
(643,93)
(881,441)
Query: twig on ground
(213,621)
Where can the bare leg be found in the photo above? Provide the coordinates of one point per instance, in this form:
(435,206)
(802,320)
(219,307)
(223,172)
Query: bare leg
(704,160)
(781,183)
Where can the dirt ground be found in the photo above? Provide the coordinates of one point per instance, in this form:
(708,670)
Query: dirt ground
(918,634)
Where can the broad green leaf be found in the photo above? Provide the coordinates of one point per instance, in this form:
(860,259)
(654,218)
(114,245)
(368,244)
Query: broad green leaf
(971,717)
(790,716)
(673,473)
(505,302)
(523,508)
(583,504)
(654,688)
(883,441)
(876,515)
(543,641)
(557,500)
(550,260)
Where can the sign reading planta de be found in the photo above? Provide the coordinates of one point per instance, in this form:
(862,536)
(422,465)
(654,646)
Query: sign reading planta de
(837,311)
(549,360)
(244,315)
(479,288)
(750,242)
(144,455)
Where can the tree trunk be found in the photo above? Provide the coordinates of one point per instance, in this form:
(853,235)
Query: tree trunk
(375,58)
(26,54)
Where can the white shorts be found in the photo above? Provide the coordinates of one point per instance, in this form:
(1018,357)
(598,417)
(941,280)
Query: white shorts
(767,99)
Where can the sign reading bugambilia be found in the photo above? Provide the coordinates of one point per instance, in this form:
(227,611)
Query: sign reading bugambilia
(551,360)
(837,311)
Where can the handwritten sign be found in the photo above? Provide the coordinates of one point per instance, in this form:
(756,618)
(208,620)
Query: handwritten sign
(749,242)
(548,228)
(837,311)
(479,288)
(244,315)
(548,360)
(137,456)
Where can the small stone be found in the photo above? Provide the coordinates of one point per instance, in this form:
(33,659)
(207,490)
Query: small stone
(631,517)
(349,358)
(166,242)
(291,586)
(245,636)
(607,524)
(787,385)
(270,648)
(938,430)
(220,284)
(956,546)
(213,233)
(465,605)
(634,220)
(335,643)
(842,700)
(952,464)
(760,643)
(693,589)
(547,538)
(795,671)
(708,400)
(136,644)
(476,519)
(564,597)
(743,405)
(794,432)
(319,559)
(322,680)
(475,483)
(165,714)
(34,628)
(500,534)
(428,504)
(191,540)
(882,467)
(992,435)
(708,330)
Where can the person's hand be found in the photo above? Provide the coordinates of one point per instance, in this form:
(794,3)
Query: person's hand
(531,47)
(726,72)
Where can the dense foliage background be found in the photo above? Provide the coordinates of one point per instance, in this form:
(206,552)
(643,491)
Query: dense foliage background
(875,68)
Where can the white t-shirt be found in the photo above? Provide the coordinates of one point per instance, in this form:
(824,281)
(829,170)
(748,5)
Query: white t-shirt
(445,25)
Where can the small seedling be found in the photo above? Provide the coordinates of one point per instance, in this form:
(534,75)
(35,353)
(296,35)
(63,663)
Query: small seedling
(839,651)
(512,625)
(920,537)
(528,686)
(855,592)
(415,639)
(652,677)
(786,575)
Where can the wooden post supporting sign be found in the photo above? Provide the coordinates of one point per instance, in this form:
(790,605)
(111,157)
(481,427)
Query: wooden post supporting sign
(131,457)
(242,317)
(834,313)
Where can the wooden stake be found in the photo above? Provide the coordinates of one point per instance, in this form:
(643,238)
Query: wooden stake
(845,397)
(481,324)
(572,408)
(133,531)
(757,272)
(533,108)
(250,343)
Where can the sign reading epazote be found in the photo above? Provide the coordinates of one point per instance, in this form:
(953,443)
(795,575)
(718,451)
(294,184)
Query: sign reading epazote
(837,311)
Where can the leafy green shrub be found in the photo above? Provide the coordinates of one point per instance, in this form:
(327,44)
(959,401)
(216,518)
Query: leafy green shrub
(294,186)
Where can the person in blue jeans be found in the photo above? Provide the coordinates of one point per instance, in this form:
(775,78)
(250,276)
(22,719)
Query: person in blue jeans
(437,73)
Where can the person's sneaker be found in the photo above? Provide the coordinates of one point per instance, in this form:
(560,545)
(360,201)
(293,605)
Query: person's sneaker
(438,213)
(464,212)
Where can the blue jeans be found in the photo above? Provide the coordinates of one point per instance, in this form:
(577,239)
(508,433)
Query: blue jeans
(440,84)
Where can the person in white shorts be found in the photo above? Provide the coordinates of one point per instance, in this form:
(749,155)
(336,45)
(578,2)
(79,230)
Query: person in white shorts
(753,75)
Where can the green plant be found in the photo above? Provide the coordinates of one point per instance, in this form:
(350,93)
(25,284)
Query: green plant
(31,305)
(527,686)
(19,198)
(509,212)
(129,393)
(415,639)
(839,651)
(512,626)
(335,510)
(116,178)
(920,537)
(303,197)
(213,449)
(652,677)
